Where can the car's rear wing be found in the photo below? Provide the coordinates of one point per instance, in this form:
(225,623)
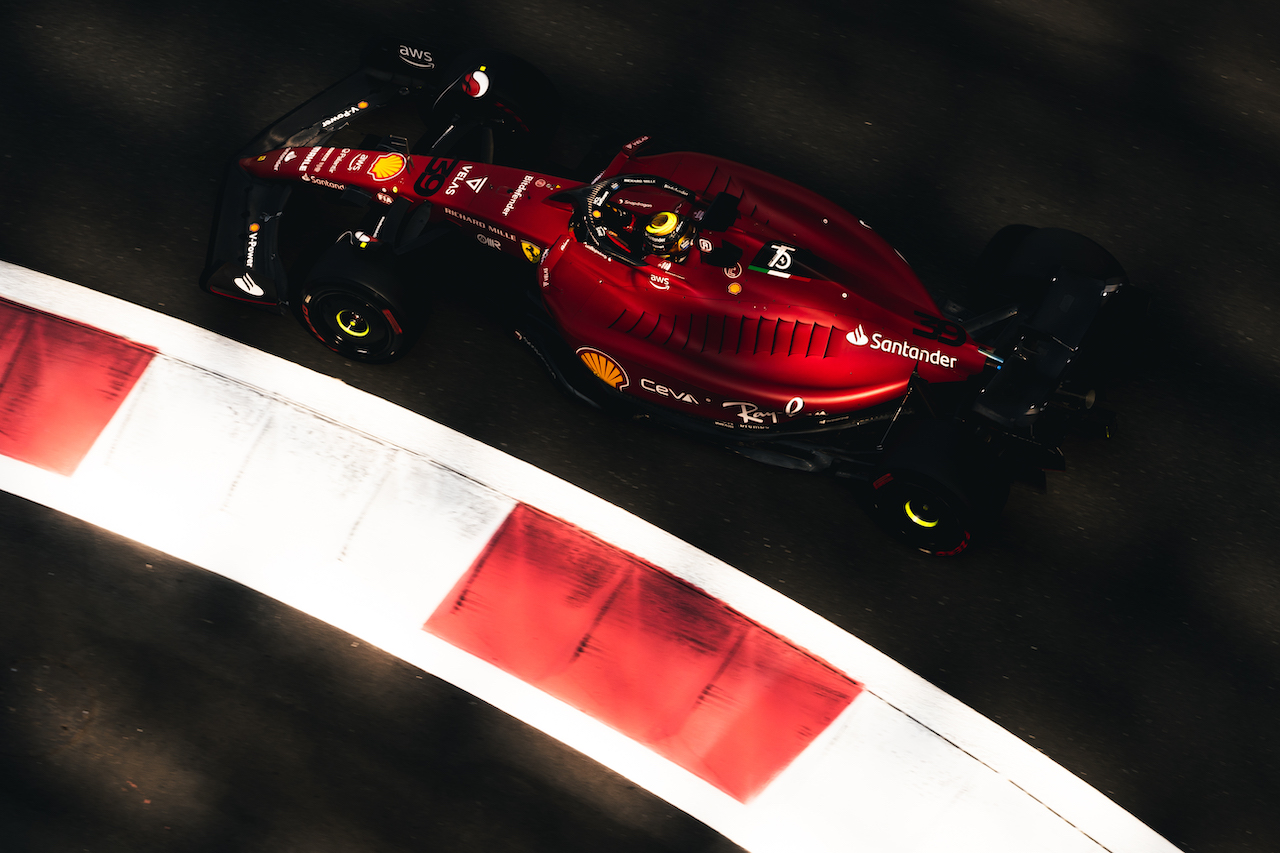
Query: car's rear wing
(1043,348)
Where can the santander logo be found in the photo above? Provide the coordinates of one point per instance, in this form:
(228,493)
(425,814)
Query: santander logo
(905,349)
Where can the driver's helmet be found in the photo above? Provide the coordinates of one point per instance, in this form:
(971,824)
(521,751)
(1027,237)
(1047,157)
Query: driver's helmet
(670,235)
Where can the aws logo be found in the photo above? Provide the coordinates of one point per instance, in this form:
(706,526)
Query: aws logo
(416,57)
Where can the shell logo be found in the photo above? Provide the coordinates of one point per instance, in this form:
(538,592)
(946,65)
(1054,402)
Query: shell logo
(388,166)
(604,367)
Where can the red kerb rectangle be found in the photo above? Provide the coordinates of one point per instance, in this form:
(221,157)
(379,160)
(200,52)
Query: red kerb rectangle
(60,384)
(643,651)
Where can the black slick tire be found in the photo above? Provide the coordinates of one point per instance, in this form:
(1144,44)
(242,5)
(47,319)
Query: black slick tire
(355,306)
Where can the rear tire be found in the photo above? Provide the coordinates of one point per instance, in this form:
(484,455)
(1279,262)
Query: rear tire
(934,492)
(1043,253)
(1019,263)
(988,280)
(922,513)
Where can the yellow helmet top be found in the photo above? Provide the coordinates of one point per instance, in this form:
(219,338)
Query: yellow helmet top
(662,224)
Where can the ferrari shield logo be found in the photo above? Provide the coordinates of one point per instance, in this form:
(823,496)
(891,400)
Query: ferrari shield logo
(532,252)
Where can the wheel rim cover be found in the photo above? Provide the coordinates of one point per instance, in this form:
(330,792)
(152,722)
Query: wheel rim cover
(920,518)
(352,323)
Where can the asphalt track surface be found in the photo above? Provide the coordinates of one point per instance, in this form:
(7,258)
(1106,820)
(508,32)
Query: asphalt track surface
(1127,622)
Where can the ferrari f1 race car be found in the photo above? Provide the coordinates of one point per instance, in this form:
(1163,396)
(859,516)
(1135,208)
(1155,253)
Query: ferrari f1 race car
(677,287)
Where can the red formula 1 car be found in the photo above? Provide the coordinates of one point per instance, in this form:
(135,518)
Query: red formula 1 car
(680,287)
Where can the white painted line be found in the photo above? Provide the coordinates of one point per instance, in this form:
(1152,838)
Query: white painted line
(365,515)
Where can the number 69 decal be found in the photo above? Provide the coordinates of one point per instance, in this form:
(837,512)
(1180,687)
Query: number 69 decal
(433,177)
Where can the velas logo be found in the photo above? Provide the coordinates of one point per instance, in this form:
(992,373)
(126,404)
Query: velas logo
(388,166)
(858,337)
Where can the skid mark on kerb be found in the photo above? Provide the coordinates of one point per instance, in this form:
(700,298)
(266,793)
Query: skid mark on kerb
(643,651)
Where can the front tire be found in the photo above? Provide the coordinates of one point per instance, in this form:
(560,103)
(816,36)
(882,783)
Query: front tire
(354,322)
(355,303)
